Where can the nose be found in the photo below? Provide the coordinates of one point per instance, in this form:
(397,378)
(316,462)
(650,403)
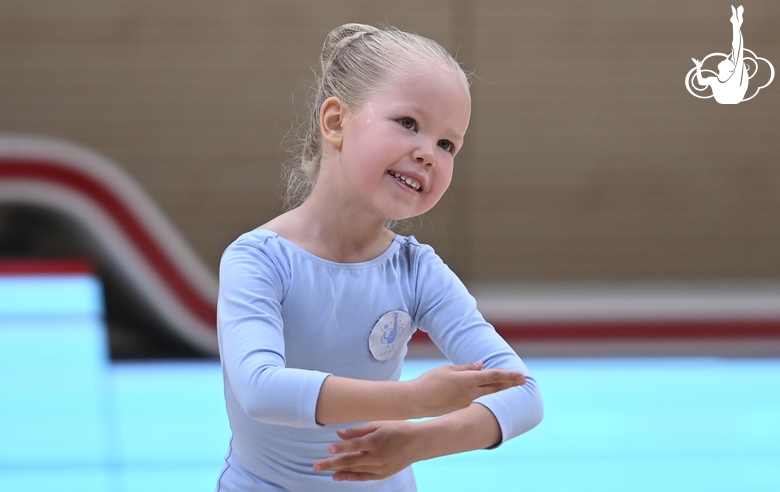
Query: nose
(424,154)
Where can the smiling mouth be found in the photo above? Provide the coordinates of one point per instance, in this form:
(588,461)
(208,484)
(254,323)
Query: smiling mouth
(410,182)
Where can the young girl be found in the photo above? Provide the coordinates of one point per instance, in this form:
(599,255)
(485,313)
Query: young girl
(317,305)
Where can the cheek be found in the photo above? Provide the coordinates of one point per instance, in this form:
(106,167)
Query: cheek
(443,178)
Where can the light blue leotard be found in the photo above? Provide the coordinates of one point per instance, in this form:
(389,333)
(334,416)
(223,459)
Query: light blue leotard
(287,319)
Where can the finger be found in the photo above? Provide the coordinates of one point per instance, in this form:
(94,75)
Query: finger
(489,390)
(356,445)
(495,388)
(364,441)
(500,377)
(355,476)
(353,462)
(343,462)
(358,431)
(474,366)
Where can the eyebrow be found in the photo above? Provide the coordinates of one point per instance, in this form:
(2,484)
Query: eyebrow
(427,114)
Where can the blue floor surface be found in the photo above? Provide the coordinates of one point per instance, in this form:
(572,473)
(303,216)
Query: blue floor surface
(70,420)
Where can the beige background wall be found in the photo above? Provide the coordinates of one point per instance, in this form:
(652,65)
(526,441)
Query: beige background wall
(586,160)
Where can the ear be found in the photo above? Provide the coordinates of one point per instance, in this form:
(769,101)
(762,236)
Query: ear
(333,114)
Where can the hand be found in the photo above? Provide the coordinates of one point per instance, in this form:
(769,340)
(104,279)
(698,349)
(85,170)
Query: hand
(374,451)
(696,62)
(449,388)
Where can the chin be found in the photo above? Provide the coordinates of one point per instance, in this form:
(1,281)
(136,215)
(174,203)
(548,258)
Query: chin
(398,211)
(399,217)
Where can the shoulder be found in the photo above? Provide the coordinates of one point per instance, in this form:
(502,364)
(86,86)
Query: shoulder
(411,245)
(257,250)
(426,264)
(413,250)
(261,241)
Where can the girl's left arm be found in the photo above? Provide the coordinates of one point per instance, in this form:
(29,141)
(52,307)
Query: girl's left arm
(378,450)
(449,314)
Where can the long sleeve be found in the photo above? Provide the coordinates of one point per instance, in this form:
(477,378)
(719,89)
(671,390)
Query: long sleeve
(449,314)
(288,319)
(251,340)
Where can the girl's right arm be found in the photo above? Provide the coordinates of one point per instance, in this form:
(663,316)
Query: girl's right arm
(437,392)
(252,286)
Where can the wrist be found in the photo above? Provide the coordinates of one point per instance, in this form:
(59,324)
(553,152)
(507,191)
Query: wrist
(411,400)
(428,434)
(471,428)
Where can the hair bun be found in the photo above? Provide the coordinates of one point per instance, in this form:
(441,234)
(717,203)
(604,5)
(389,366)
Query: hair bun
(340,37)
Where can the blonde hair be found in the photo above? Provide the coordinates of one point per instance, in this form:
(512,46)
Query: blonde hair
(356,62)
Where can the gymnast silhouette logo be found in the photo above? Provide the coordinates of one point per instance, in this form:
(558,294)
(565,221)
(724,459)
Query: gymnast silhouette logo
(390,333)
(730,84)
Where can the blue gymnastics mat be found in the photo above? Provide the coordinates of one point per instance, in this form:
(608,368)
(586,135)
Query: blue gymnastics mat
(71,420)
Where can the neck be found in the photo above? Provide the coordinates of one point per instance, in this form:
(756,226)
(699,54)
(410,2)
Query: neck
(334,230)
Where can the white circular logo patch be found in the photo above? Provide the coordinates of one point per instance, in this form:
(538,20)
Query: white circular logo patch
(390,333)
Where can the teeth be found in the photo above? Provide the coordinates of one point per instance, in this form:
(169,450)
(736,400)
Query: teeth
(410,182)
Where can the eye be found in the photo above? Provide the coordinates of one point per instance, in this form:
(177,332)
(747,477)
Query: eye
(408,123)
(446,145)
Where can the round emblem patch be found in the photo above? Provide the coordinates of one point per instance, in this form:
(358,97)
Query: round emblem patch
(390,333)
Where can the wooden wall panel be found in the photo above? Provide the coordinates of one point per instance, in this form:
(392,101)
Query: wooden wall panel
(595,162)
(586,157)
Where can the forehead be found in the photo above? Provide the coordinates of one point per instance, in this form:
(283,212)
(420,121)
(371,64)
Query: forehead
(429,77)
(434,90)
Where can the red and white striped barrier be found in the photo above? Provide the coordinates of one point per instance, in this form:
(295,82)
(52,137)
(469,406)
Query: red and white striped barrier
(599,311)
(138,239)
(122,220)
